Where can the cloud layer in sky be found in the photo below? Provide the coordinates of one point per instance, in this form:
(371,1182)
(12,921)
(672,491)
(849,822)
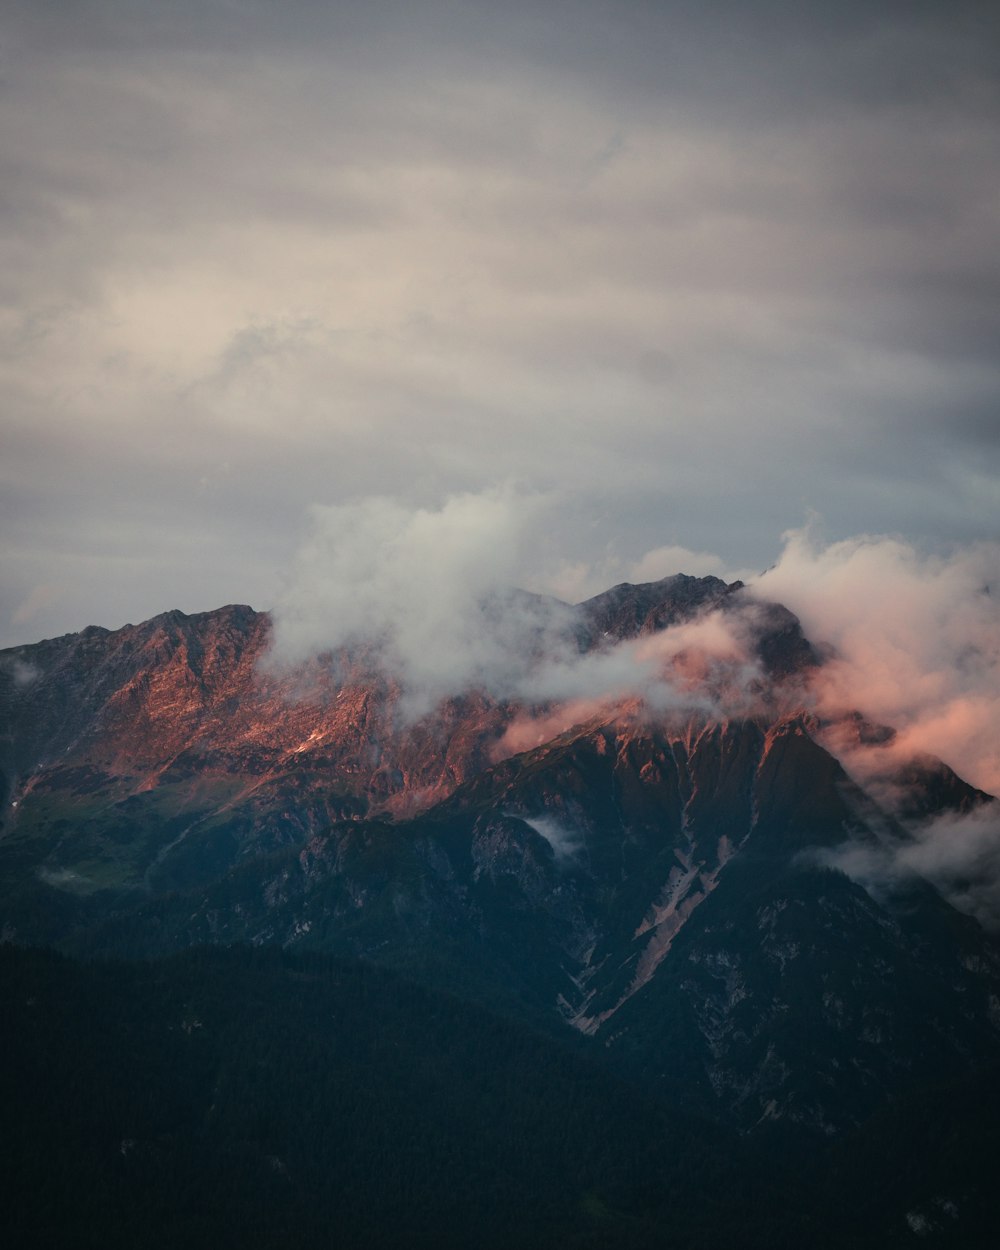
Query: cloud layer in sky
(691,270)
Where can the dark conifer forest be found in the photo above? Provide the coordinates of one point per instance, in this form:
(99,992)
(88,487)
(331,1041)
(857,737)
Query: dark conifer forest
(239,1097)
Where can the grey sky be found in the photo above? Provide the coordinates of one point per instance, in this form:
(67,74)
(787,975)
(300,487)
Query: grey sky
(688,273)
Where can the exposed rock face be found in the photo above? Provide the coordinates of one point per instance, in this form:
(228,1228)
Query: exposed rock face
(182,716)
(627,611)
(655,882)
(178,722)
(179,694)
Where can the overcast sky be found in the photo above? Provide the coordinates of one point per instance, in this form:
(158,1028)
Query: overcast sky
(674,274)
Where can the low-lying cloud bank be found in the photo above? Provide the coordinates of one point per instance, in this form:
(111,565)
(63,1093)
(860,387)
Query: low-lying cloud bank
(959,854)
(706,666)
(566,841)
(916,644)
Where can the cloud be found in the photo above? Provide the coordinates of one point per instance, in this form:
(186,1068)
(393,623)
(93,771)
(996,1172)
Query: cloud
(564,840)
(705,664)
(22,672)
(427,588)
(426,594)
(912,641)
(916,644)
(957,853)
(575,580)
(530,729)
(25,674)
(665,561)
(38,599)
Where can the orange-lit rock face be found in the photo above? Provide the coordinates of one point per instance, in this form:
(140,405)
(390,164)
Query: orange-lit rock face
(181,717)
(183,727)
(160,701)
(157,701)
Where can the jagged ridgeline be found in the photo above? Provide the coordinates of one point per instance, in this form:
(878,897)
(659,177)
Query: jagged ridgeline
(652,880)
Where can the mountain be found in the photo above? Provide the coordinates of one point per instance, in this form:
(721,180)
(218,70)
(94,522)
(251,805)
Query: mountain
(157,755)
(657,876)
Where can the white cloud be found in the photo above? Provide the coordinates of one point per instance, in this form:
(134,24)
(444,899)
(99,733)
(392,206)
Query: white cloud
(428,592)
(916,640)
(564,840)
(957,853)
(665,561)
(422,585)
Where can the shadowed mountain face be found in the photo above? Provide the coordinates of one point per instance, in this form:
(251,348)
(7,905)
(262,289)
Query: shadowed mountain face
(658,880)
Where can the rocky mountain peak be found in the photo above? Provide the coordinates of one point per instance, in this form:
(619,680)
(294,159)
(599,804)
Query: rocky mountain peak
(627,610)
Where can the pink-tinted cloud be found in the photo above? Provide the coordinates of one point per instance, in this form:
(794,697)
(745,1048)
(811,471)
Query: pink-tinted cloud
(915,639)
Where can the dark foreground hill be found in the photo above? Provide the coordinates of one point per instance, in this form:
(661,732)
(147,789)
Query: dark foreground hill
(255,1099)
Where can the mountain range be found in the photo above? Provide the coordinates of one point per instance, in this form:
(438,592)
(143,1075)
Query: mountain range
(656,882)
